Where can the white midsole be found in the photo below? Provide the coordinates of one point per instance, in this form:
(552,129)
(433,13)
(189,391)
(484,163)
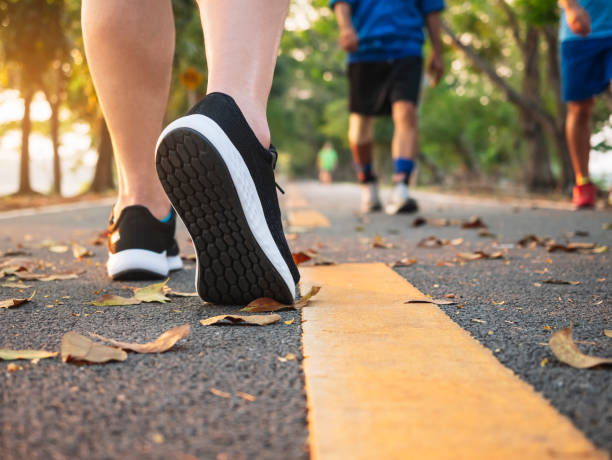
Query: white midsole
(140,259)
(174,263)
(245,187)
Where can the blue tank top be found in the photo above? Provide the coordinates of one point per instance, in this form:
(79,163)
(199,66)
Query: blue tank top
(601,20)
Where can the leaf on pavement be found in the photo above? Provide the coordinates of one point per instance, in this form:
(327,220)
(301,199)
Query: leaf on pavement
(258,320)
(419,221)
(379,242)
(287,357)
(569,247)
(19,285)
(152,293)
(266,304)
(222,394)
(245,396)
(567,352)
(112,300)
(10,355)
(47,276)
(162,343)
(480,255)
(439,222)
(300,257)
(430,242)
(79,251)
(530,241)
(474,222)
(76,347)
(289,322)
(553,281)
(600,249)
(486,234)
(58,248)
(16,264)
(167,290)
(434,301)
(606,226)
(10,303)
(608,332)
(100,239)
(404,262)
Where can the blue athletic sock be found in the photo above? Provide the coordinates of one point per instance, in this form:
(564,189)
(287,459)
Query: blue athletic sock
(166,219)
(365,172)
(402,168)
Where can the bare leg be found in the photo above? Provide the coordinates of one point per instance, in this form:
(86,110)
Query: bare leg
(578,132)
(405,130)
(242,39)
(130,49)
(361,141)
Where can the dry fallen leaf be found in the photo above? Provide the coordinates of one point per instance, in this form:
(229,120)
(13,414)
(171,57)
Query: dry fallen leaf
(600,249)
(474,222)
(417,222)
(162,343)
(220,393)
(456,241)
(553,281)
(168,291)
(287,357)
(434,301)
(567,352)
(404,262)
(480,255)
(76,347)
(265,304)
(47,276)
(606,226)
(300,257)
(79,251)
(476,320)
(10,303)
(289,322)
(26,354)
(379,242)
(19,285)
(430,242)
(608,332)
(100,239)
(152,293)
(258,320)
(551,246)
(111,300)
(58,248)
(245,396)
(439,222)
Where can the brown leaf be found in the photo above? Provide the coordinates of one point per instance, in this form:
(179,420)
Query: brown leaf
(13,252)
(162,343)
(245,396)
(300,257)
(79,251)
(152,293)
(26,354)
(265,304)
(567,352)
(474,222)
(439,222)
(111,300)
(569,247)
(430,242)
(306,298)
(379,242)
(220,393)
(528,240)
(419,221)
(404,262)
(100,239)
(486,234)
(472,255)
(608,332)
(258,320)
(76,347)
(553,281)
(16,264)
(434,301)
(10,303)
(19,285)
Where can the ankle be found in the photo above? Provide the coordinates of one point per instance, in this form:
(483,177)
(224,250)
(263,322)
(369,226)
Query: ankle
(157,205)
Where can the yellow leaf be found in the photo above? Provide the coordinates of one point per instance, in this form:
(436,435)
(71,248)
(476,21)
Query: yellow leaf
(26,354)
(287,357)
(290,321)
(163,343)
(608,332)
(111,300)
(245,396)
(567,352)
(79,251)
(152,293)
(220,393)
(379,242)
(544,362)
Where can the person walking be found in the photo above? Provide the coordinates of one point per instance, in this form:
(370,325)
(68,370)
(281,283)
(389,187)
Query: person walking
(327,160)
(215,165)
(384,40)
(586,71)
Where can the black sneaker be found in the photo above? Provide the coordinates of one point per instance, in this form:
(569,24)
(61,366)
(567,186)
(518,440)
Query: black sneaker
(220,180)
(140,246)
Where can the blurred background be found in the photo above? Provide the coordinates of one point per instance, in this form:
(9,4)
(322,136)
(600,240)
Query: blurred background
(495,123)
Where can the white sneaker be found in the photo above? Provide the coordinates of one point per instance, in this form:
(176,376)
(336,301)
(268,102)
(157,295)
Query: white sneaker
(400,201)
(370,201)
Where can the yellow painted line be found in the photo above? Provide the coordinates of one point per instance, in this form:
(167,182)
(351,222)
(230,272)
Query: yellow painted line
(307,218)
(388,380)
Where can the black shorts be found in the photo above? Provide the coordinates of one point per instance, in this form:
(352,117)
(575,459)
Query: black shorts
(374,86)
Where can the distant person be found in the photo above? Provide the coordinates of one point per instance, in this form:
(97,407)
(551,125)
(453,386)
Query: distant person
(384,40)
(327,160)
(586,67)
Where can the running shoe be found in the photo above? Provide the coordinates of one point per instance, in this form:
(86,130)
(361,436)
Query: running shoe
(400,201)
(370,200)
(220,180)
(584,196)
(140,246)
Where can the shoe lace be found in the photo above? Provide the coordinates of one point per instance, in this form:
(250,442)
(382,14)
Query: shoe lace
(274,154)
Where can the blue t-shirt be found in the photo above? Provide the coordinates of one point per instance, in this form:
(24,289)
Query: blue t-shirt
(389,29)
(601,20)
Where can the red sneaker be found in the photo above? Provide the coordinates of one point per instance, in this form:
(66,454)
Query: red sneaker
(584,196)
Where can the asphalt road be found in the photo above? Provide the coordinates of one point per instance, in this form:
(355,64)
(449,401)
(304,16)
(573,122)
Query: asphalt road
(161,406)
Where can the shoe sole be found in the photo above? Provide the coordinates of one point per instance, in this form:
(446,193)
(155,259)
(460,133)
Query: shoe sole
(140,264)
(212,191)
(406,208)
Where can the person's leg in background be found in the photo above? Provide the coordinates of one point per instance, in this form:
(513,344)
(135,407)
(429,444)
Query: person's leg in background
(129,50)
(216,163)
(578,132)
(361,141)
(404,149)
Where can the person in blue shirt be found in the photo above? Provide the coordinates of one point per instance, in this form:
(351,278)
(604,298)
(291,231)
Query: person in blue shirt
(384,39)
(586,71)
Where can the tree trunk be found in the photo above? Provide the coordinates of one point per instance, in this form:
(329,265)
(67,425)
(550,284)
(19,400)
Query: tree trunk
(538,174)
(26,127)
(554,77)
(103,176)
(57,170)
